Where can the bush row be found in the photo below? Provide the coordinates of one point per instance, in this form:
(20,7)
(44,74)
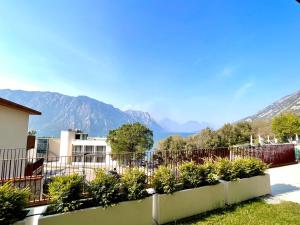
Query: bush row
(67,192)
(72,192)
(193,175)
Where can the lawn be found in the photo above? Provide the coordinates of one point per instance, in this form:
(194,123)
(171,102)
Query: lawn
(253,213)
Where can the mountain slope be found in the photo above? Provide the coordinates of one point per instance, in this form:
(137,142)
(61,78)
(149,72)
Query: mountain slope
(288,103)
(60,112)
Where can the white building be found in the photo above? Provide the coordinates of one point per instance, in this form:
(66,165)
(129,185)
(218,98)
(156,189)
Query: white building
(74,146)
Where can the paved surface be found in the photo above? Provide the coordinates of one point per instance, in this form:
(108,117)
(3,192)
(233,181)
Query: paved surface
(285,182)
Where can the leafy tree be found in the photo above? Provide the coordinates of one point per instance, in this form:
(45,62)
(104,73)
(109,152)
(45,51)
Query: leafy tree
(130,138)
(262,127)
(286,125)
(207,138)
(243,132)
(227,135)
(172,143)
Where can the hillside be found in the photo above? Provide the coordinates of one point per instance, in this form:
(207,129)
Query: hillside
(288,103)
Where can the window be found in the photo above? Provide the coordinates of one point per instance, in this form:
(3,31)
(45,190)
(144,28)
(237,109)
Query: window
(42,146)
(77,149)
(84,137)
(100,154)
(77,153)
(77,136)
(89,153)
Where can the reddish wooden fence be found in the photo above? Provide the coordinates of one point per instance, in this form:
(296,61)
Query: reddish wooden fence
(274,155)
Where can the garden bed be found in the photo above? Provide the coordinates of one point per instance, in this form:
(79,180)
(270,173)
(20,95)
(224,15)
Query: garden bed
(247,188)
(136,212)
(185,203)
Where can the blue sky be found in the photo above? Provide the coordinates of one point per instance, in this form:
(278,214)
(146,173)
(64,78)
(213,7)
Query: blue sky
(215,61)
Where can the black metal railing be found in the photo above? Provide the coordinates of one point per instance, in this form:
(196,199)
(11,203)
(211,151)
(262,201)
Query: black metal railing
(37,172)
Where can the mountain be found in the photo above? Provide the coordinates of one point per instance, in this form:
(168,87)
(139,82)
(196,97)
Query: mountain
(188,127)
(61,112)
(288,103)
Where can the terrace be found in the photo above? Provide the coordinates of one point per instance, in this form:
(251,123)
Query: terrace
(43,170)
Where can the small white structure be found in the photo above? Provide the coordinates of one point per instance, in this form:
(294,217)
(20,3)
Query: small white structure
(261,140)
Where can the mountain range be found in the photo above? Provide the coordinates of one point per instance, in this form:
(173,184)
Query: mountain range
(61,112)
(289,103)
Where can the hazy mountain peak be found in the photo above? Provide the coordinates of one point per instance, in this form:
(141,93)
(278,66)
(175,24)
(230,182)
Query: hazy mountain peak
(189,126)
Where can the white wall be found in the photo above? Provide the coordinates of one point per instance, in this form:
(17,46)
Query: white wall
(13,128)
(54,147)
(13,141)
(65,150)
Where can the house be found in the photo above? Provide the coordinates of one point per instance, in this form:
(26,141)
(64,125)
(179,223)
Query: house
(14,120)
(15,144)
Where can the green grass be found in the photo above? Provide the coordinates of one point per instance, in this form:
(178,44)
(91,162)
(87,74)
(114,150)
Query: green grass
(251,213)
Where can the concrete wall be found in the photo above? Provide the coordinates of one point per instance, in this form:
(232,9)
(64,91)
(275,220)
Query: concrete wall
(65,149)
(54,147)
(13,128)
(13,141)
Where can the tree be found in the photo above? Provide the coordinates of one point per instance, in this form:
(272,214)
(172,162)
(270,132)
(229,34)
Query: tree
(207,138)
(243,131)
(172,143)
(263,127)
(227,135)
(286,125)
(130,138)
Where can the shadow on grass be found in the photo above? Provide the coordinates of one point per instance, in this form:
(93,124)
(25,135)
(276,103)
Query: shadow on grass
(222,211)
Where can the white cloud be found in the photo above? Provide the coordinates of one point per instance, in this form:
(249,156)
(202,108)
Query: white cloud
(243,90)
(227,71)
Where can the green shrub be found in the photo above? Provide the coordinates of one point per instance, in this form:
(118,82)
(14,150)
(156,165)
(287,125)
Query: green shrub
(191,175)
(65,192)
(224,169)
(12,203)
(164,180)
(248,167)
(210,173)
(105,189)
(133,184)
(240,168)
(256,167)
(195,175)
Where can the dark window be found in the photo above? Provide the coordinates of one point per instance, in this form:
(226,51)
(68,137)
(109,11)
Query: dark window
(42,146)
